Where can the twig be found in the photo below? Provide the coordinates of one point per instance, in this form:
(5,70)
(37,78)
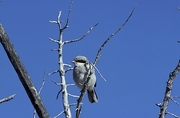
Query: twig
(70,85)
(55,41)
(7,99)
(78,107)
(67,22)
(69,69)
(102,46)
(53,72)
(99,72)
(172,98)
(167,95)
(67,65)
(58,94)
(172,114)
(59,114)
(43,82)
(78,39)
(74,96)
(59,84)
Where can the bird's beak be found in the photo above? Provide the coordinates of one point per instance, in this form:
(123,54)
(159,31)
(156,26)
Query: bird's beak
(73,61)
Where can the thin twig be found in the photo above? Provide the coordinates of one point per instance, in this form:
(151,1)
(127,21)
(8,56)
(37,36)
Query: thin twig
(57,96)
(67,65)
(59,84)
(69,69)
(102,46)
(53,72)
(70,85)
(175,116)
(43,82)
(67,22)
(74,96)
(7,98)
(55,41)
(99,72)
(78,39)
(59,114)
(172,98)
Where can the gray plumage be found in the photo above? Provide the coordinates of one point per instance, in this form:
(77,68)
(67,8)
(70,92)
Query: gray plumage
(80,71)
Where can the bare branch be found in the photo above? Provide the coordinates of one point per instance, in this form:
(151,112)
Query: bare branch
(83,91)
(23,75)
(59,114)
(69,69)
(172,98)
(61,69)
(7,99)
(52,21)
(98,72)
(78,110)
(175,116)
(74,96)
(70,85)
(43,82)
(78,39)
(167,95)
(67,22)
(98,54)
(58,94)
(67,65)
(55,41)
(59,84)
(53,72)
(78,107)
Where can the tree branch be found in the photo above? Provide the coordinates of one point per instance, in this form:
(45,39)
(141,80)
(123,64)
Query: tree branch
(23,75)
(102,46)
(78,39)
(43,82)
(78,107)
(61,70)
(164,105)
(7,99)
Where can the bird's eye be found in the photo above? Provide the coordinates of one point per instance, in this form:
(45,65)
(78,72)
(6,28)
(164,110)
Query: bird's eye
(81,61)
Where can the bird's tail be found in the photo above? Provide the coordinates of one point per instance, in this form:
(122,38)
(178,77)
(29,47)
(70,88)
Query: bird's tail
(92,96)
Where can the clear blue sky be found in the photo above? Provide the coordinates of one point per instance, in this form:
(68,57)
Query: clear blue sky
(136,62)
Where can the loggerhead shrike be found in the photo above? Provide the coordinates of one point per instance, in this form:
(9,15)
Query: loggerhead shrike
(80,71)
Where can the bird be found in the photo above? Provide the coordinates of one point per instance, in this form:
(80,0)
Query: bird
(80,71)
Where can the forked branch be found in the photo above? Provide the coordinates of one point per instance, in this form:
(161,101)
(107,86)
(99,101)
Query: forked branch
(79,107)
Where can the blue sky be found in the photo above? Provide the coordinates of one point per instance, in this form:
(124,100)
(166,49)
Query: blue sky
(136,62)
